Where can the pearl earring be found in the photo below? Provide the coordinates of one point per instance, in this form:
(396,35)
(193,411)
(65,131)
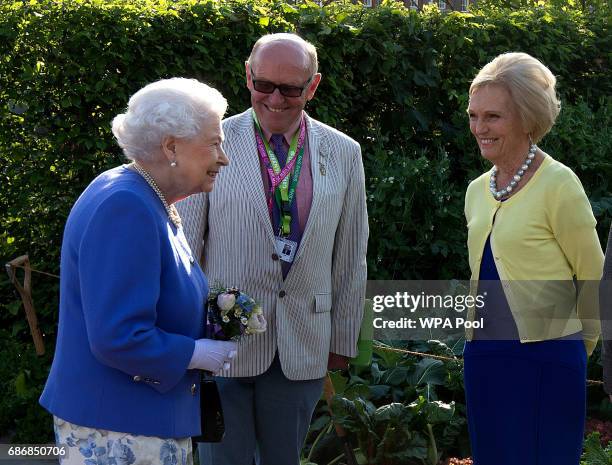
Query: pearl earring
(173,163)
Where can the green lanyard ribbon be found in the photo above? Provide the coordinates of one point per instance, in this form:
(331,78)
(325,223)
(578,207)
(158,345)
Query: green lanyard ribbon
(283,185)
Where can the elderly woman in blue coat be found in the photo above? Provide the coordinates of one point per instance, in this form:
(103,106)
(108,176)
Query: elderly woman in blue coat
(124,383)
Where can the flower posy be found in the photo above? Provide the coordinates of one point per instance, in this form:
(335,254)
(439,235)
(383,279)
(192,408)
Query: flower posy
(232,314)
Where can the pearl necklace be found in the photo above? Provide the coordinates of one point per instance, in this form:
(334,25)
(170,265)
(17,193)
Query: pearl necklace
(498,195)
(173,214)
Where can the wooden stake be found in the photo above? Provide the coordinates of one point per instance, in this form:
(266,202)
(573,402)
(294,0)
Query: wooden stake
(25,291)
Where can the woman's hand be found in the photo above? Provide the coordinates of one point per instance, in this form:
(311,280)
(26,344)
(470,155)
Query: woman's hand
(211,355)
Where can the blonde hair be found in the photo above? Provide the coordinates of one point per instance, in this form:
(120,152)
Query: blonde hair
(311,52)
(531,86)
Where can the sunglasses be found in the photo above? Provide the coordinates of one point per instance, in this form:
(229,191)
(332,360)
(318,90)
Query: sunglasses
(267,87)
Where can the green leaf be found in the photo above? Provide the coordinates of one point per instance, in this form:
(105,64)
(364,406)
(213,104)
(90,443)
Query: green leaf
(14,307)
(320,423)
(395,412)
(357,390)
(428,371)
(338,381)
(594,454)
(379,391)
(389,358)
(395,376)
(20,385)
(439,412)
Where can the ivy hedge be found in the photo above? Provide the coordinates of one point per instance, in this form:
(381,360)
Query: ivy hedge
(395,80)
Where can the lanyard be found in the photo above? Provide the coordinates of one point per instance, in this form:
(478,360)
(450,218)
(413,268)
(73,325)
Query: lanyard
(284,198)
(281,187)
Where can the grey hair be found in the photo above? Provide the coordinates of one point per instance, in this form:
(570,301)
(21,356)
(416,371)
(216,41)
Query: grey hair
(532,88)
(311,52)
(170,107)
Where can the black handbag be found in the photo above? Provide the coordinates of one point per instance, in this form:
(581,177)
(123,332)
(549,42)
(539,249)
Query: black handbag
(211,412)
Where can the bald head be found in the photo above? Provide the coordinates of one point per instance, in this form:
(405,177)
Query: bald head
(304,52)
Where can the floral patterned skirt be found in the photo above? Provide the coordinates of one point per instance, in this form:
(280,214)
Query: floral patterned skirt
(90,446)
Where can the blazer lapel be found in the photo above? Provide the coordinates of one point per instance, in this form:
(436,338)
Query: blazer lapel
(319,152)
(246,159)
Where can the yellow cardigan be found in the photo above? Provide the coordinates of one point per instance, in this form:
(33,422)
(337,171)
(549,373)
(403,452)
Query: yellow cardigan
(542,238)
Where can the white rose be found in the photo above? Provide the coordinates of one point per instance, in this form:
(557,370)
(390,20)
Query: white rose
(257,323)
(226,301)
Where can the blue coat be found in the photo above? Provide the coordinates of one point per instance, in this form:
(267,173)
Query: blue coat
(131,306)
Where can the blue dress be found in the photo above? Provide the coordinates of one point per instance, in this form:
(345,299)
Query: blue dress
(526,402)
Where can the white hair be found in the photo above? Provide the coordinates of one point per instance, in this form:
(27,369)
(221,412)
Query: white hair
(170,107)
(312,65)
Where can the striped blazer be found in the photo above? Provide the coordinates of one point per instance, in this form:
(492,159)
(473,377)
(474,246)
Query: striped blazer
(318,307)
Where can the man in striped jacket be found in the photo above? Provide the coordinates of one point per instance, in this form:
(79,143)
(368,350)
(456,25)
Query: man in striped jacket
(287,224)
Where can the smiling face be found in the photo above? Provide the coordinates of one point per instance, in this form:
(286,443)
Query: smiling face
(496,124)
(199,159)
(280,62)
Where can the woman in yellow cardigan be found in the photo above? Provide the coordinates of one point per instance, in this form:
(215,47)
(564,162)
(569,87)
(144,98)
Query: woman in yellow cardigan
(532,244)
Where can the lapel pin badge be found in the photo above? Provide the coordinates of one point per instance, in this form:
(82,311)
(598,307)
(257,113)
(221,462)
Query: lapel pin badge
(322,162)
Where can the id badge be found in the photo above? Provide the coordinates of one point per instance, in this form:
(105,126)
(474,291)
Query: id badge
(286,249)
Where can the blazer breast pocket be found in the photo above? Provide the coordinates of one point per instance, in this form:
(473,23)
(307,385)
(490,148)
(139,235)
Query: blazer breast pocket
(323,303)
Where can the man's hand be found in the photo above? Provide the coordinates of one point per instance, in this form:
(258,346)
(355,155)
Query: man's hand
(337,362)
